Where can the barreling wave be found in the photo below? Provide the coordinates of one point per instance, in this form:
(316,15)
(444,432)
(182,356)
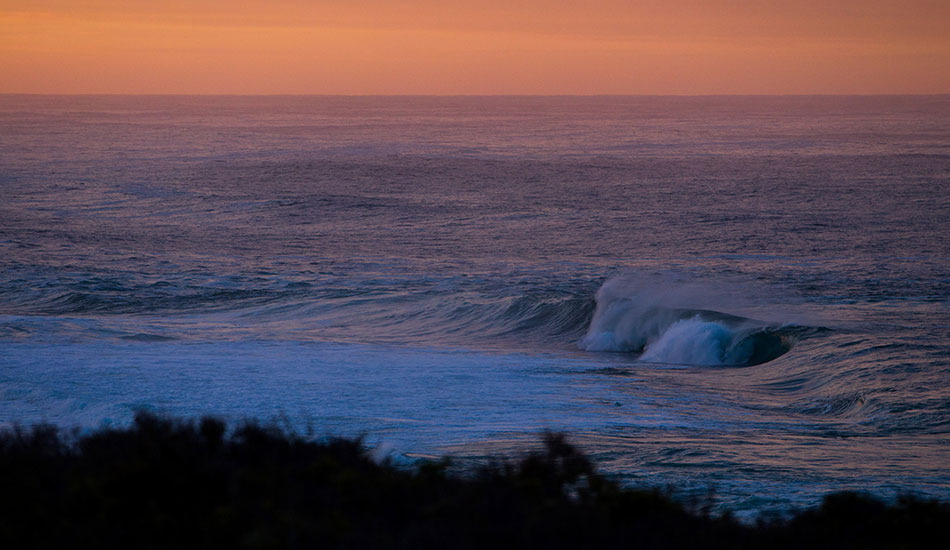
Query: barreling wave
(638,321)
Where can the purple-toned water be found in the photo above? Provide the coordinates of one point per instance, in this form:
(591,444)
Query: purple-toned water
(741,293)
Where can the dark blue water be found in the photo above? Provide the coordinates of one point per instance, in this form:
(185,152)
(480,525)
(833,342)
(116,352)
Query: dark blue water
(741,293)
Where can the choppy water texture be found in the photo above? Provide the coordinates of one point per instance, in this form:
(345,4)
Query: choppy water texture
(745,294)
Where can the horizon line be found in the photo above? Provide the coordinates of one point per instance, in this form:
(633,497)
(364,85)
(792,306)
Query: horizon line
(227,94)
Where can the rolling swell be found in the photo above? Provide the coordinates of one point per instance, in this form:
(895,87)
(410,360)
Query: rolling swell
(432,312)
(540,319)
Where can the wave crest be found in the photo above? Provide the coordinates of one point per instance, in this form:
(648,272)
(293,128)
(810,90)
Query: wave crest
(640,321)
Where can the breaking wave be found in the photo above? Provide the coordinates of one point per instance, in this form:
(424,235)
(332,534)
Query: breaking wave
(645,321)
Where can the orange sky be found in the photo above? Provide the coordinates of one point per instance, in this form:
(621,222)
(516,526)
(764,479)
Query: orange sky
(483,47)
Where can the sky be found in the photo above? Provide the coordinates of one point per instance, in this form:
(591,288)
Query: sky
(475,47)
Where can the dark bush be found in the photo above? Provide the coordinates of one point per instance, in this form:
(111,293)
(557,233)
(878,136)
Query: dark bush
(165,483)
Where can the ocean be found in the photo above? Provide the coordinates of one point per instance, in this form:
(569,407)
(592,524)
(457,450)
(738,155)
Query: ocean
(739,295)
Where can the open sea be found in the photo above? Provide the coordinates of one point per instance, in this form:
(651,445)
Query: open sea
(747,295)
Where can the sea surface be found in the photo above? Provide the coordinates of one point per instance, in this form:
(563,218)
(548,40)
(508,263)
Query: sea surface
(745,295)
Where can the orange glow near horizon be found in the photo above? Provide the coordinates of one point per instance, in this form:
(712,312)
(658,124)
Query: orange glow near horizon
(487,47)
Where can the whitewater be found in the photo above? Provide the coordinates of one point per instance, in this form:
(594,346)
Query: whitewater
(745,295)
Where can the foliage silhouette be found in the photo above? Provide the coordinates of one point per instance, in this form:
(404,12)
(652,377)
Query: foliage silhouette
(165,483)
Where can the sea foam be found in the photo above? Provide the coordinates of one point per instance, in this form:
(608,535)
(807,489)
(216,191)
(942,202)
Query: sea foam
(647,316)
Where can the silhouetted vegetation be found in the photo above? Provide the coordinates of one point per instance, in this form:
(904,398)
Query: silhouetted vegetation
(177,484)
